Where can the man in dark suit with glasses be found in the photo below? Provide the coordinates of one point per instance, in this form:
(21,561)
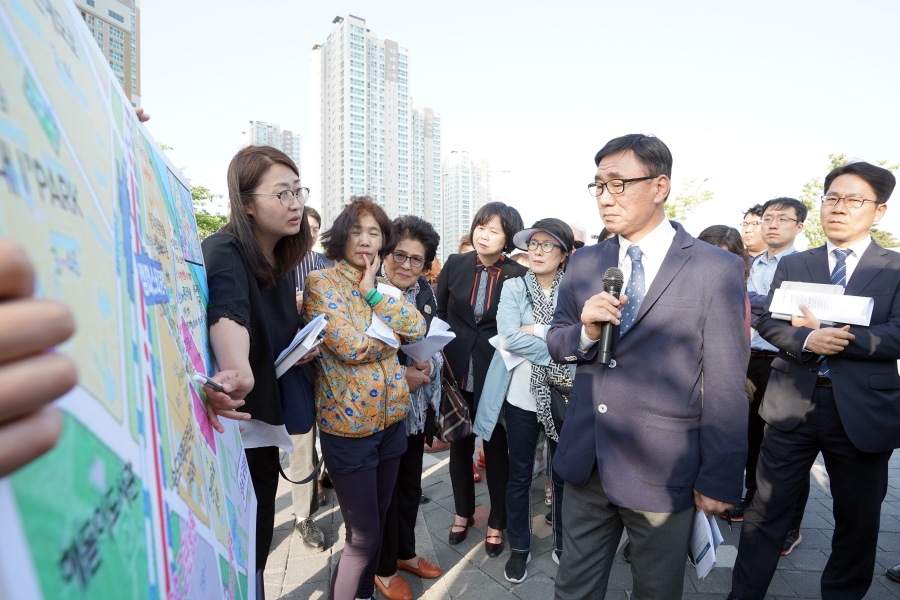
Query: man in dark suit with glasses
(834,390)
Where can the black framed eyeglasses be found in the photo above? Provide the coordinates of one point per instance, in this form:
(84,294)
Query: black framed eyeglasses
(416,262)
(753,224)
(780,220)
(615,186)
(545,246)
(287,196)
(849,202)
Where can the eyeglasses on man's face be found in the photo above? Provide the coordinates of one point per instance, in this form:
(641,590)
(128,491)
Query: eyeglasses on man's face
(750,224)
(416,262)
(545,246)
(287,196)
(615,186)
(782,221)
(849,201)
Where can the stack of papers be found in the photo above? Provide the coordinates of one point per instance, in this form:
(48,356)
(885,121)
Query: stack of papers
(510,360)
(379,329)
(833,307)
(705,540)
(439,335)
(305,340)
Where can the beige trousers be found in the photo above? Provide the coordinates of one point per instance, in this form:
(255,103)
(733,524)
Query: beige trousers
(301,466)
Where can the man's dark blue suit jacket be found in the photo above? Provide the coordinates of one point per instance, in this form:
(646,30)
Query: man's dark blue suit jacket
(864,376)
(671,416)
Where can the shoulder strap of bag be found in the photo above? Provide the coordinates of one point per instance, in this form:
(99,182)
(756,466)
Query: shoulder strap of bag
(449,370)
(308,478)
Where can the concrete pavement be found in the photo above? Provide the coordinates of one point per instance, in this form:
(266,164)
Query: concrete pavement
(296,572)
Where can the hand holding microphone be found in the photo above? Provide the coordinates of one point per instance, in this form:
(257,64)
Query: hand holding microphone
(601,313)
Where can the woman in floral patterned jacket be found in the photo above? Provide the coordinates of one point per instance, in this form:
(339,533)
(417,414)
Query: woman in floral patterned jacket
(362,396)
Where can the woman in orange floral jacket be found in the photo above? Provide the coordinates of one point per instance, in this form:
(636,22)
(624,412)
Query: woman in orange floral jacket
(362,396)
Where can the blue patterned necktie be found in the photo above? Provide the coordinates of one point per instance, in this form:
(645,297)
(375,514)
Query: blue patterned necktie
(636,290)
(838,277)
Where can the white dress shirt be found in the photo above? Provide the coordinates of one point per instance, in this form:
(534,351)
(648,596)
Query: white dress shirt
(856,253)
(654,247)
(852,260)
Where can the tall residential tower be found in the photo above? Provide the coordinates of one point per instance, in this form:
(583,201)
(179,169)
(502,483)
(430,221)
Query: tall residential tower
(467,187)
(116,26)
(260,133)
(367,136)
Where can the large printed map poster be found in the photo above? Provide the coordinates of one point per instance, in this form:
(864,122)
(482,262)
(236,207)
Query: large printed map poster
(141,499)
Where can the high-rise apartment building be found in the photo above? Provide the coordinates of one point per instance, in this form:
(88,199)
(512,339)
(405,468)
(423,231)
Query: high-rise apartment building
(467,187)
(367,136)
(260,133)
(116,26)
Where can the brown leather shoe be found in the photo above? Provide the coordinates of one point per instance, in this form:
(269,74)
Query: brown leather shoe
(398,590)
(425,570)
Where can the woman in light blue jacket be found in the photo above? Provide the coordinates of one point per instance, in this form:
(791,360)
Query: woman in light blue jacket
(519,398)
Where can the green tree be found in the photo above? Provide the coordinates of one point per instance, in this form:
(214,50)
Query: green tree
(207,223)
(885,239)
(812,192)
(687,200)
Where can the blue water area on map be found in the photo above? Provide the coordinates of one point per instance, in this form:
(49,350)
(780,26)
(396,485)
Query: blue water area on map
(100,176)
(104,304)
(26,16)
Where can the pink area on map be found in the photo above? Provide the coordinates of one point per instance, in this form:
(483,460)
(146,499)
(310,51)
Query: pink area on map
(203,420)
(191,349)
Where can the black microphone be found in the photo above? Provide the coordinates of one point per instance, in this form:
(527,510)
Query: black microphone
(612,285)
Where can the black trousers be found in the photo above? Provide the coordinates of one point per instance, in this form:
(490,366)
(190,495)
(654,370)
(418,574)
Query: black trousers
(858,485)
(758,371)
(364,497)
(263,465)
(496,459)
(398,540)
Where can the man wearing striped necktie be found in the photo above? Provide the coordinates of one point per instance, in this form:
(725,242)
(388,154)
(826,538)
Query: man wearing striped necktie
(834,390)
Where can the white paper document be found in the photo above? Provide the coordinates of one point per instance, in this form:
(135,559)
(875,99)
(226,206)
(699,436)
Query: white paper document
(439,335)
(379,329)
(851,310)
(258,434)
(510,359)
(303,342)
(804,286)
(705,540)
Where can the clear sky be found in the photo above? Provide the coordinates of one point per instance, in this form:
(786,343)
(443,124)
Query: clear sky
(752,96)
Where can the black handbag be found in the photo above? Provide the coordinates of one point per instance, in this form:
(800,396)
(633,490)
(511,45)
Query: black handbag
(298,407)
(559,403)
(453,420)
(298,399)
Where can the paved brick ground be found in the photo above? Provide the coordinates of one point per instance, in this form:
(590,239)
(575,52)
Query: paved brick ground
(295,572)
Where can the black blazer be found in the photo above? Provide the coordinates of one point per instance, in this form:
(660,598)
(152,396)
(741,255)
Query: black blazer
(454,289)
(864,376)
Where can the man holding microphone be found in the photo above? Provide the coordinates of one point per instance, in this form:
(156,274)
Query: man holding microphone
(660,431)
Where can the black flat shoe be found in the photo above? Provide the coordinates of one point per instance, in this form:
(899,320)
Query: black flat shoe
(493,550)
(893,573)
(457,537)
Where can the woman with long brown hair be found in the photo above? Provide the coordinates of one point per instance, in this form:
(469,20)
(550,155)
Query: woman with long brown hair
(253,312)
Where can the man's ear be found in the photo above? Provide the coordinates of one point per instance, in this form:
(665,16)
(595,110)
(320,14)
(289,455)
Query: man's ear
(663,187)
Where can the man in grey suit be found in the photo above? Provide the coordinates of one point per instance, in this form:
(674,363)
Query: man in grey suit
(662,430)
(833,390)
